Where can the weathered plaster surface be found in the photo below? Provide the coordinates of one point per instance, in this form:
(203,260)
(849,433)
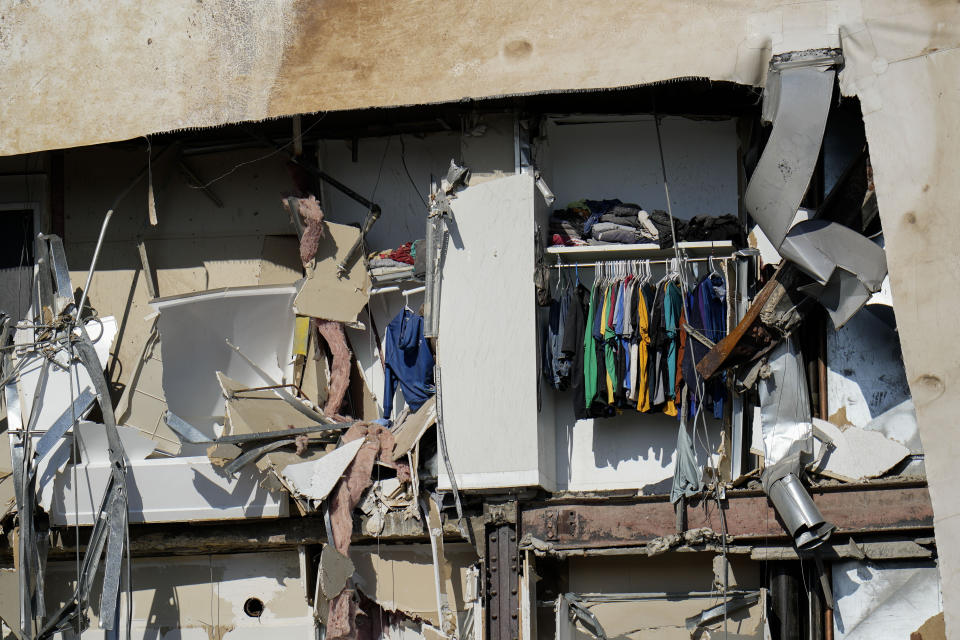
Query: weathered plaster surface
(131,71)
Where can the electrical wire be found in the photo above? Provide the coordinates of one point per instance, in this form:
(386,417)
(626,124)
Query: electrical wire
(279,149)
(698,383)
(403,160)
(376,185)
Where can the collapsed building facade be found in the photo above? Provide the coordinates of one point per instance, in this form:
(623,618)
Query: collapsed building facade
(603,351)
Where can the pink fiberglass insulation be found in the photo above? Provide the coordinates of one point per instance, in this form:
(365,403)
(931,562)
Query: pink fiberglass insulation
(336,339)
(309,209)
(341,623)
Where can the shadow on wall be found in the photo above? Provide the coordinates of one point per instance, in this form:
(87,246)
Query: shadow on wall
(629,451)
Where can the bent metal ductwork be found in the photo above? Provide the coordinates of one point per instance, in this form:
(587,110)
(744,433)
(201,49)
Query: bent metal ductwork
(846,266)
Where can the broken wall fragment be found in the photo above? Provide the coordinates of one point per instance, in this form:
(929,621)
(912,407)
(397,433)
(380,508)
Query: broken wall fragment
(324,293)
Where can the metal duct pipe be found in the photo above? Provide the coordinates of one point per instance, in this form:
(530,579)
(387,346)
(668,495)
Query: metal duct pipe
(799,513)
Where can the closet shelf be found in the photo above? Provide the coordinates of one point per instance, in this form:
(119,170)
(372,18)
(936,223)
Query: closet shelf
(397,277)
(589,253)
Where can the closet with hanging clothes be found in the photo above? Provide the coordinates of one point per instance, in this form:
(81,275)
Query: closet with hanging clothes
(630,340)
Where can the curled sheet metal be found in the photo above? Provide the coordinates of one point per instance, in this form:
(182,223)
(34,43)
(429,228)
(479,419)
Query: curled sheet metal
(731,606)
(846,266)
(256,453)
(185,430)
(188,433)
(63,287)
(785,416)
(588,620)
(800,101)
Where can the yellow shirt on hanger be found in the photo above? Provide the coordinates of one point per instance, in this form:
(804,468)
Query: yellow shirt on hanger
(643,330)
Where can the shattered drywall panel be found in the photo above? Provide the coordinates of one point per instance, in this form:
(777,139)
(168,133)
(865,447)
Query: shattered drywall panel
(884,599)
(900,425)
(194,331)
(323,294)
(316,479)
(856,454)
(161,490)
(408,433)
(202,597)
(400,577)
(256,411)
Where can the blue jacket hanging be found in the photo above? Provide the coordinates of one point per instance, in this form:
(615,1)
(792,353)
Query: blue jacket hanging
(409,362)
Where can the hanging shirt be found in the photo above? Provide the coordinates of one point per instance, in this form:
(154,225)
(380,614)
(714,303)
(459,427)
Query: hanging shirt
(672,309)
(553,368)
(590,352)
(711,299)
(609,341)
(644,302)
(409,362)
(622,325)
(573,352)
(681,351)
(655,361)
(633,341)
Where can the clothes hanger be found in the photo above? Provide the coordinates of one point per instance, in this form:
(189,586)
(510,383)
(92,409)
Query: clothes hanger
(713,268)
(406,298)
(668,272)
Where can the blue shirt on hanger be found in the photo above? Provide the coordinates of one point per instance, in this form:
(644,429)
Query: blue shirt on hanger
(409,362)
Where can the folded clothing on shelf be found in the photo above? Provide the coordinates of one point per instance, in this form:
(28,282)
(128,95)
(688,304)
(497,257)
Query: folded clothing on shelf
(409,255)
(598,222)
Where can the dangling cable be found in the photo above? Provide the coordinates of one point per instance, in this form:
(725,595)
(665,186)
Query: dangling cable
(699,385)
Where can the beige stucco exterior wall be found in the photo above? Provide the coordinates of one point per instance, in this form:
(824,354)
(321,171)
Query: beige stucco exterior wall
(76,74)
(133,70)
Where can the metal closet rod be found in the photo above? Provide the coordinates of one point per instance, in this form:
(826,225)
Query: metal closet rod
(570,265)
